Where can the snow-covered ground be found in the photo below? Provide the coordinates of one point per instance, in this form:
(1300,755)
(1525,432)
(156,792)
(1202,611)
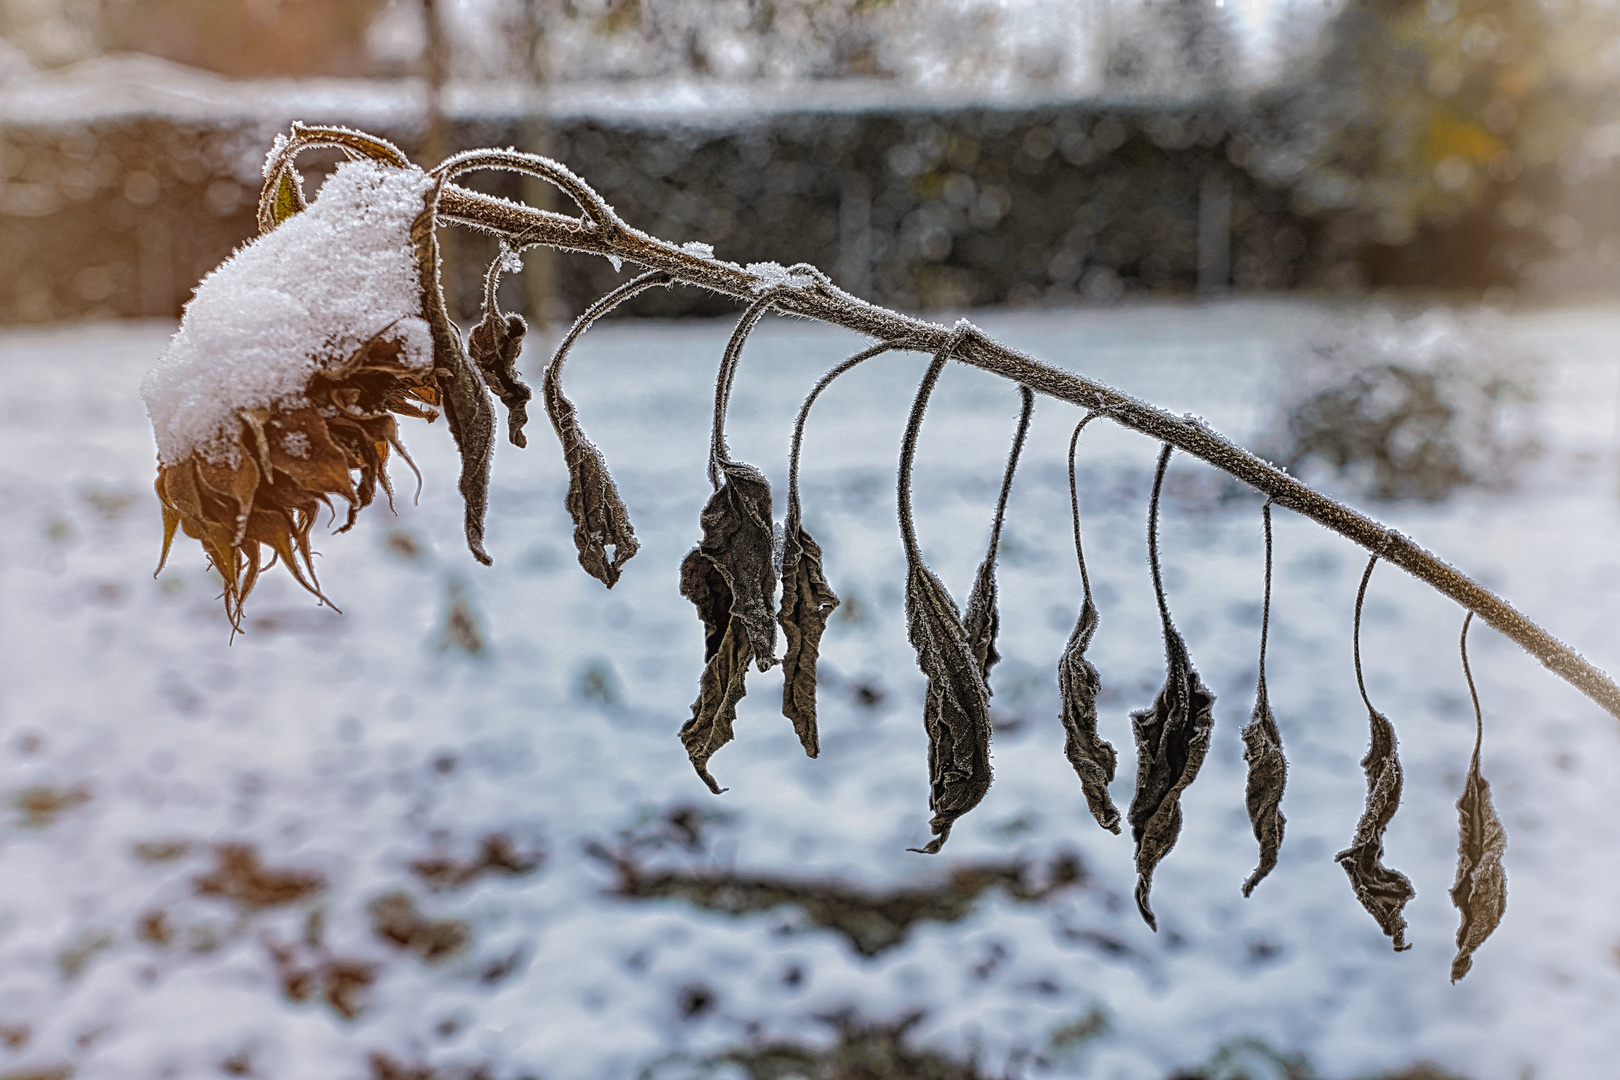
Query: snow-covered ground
(136,739)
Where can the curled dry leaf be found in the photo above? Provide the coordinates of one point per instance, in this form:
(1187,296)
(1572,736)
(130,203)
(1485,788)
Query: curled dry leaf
(600,518)
(807,599)
(730,576)
(466,404)
(956,712)
(1172,737)
(1262,749)
(726,653)
(1268,773)
(982,618)
(956,709)
(1093,758)
(1480,890)
(494,345)
(1382,891)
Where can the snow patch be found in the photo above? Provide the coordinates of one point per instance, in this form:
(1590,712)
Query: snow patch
(290,303)
(776,276)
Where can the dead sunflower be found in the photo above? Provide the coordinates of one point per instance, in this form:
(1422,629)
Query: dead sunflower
(287,462)
(279,391)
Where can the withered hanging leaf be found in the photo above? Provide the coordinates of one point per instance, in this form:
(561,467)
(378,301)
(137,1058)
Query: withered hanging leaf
(1480,890)
(956,712)
(807,598)
(729,576)
(600,518)
(494,345)
(726,653)
(466,404)
(1262,749)
(1093,758)
(1171,738)
(739,540)
(807,601)
(982,619)
(1382,891)
(956,709)
(1268,773)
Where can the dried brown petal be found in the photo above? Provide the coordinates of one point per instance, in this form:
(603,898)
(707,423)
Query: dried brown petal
(1382,891)
(982,619)
(1172,737)
(1480,890)
(600,518)
(807,601)
(494,345)
(726,653)
(1262,749)
(1093,758)
(956,709)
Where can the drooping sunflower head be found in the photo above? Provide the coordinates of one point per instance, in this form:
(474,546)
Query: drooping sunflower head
(279,393)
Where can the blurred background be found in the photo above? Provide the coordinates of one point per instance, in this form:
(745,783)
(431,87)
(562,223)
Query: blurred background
(927,154)
(451,833)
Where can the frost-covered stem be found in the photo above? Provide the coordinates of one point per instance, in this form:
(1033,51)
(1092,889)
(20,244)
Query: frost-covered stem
(827,303)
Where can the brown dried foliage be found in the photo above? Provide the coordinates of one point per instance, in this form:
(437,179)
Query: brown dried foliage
(730,579)
(807,599)
(1381,890)
(240,877)
(394,919)
(982,619)
(872,922)
(1480,890)
(1172,737)
(496,855)
(285,465)
(600,518)
(956,709)
(1262,749)
(1093,758)
(494,345)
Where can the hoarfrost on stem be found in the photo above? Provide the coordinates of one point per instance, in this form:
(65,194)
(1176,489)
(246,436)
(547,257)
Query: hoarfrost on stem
(289,303)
